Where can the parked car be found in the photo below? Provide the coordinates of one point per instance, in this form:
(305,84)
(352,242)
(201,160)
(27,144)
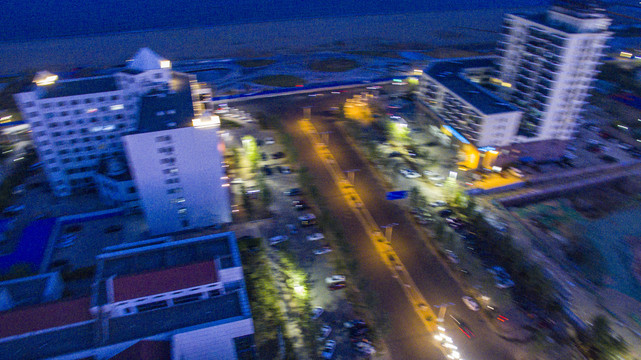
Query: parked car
(335,279)
(299,205)
(291,228)
(278,155)
(354,323)
(470,303)
(284,169)
(323,250)
(266,170)
(409,173)
(269,141)
(292,192)
(324,332)
(438,203)
(328,349)
(445,213)
(315,236)
(307,219)
(317,312)
(365,347)
(277,239)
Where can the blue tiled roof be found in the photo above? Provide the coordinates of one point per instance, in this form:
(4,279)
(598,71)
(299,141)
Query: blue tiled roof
(449,74)
(31,247)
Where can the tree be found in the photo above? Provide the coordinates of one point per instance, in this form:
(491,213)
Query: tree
(247,203)
(598,343)
(414,197)
(251,151)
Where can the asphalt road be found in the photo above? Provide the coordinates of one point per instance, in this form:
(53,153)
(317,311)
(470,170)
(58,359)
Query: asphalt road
(406,338)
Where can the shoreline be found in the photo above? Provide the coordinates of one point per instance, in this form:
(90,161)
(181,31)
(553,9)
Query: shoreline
(432,29)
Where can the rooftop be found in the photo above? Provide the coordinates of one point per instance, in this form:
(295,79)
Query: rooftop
(43,317)
(164,110)
(166,280)
(30,290)
(146,350)
(64,88)
(450,74)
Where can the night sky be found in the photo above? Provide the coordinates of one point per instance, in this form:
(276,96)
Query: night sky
(36,19)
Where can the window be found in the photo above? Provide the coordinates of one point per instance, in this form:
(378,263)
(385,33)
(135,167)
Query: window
(131,190)
(163,138)
(88,101)
(151,306)
(186,299)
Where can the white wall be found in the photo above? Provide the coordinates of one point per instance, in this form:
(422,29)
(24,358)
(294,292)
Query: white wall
(212,343)
(199,170)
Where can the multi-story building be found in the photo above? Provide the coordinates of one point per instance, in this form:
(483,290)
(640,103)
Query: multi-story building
(176,164)
(547,66)
(75,122)
(182,299)
(476,119)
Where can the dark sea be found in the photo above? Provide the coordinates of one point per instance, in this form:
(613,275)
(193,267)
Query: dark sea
(25,20)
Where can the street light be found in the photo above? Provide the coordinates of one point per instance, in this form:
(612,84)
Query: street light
(388,231)
(441,310)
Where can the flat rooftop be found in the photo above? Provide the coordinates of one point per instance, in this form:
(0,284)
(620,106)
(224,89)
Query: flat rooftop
(162,281)
(450,74)
(43,317)
(64,88)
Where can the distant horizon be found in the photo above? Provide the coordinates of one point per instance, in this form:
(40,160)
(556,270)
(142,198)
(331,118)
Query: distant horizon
(39,19)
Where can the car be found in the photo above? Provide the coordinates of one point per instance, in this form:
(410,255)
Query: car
(324,332)
(436,178)
(292,192)
(315,236)
(365,347)
(299,205)
(266,170)
(394,154)
(284,169)
(292,229)
(354,323)
(470,303)
(263,156)
(317,312)
(409,173)
(445,213)
(328,349)
(336,286)
(454,223)
(463,327)
(307,219)
(113,228)
(438,203)
(451,257)
(335,279)
(323,250)
(277,239)
(269,141)
(504,283)
(439,184)
(278,155)
(18,189)
(422,220)
(358,331)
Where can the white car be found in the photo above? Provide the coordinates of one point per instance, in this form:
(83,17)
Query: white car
(365,348)
(470,303)
(324,332)
(277,239)
(429,173)
(409,173)
(269,141)
(438,203)
(328,350)
(436,178)
(317,312)
(322,251)
(335,279)
(315,236)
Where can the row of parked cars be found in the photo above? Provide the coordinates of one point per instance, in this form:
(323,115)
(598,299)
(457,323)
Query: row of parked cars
(358,334)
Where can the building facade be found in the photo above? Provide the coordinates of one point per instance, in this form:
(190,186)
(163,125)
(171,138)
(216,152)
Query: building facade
(548,65)
(477,120)
(77,121)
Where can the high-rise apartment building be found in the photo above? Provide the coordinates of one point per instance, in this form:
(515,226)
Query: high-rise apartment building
(548,63)
(75,122)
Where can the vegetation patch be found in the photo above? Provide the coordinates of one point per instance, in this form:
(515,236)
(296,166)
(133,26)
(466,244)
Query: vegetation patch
(333,65)
(279,80)
(254,63)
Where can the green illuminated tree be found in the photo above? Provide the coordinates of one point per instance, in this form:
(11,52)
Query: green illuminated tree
(251,151)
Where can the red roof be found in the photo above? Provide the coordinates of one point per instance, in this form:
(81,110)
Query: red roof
(146,350)
(44,316)
(158,282)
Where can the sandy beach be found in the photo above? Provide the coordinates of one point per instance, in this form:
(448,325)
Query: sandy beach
(420,30)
